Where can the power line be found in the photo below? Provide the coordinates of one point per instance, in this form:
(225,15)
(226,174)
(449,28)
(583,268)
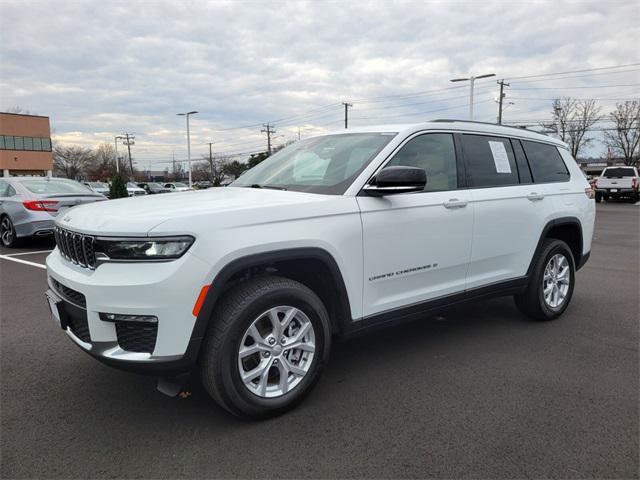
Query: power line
(576,71)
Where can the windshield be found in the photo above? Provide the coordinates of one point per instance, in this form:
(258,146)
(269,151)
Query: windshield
(132,185)
(98,185)
(178,184)
(326,164)
(54,186)
(618,172)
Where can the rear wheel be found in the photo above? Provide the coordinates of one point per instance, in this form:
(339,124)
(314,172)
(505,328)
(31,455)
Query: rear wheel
(268,341)
(7,232)
(551,284)
(598,197)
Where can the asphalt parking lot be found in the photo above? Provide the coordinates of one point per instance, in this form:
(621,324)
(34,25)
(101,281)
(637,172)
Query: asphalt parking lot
(480,393)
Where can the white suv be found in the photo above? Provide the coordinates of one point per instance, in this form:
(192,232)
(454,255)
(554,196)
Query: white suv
(332,235)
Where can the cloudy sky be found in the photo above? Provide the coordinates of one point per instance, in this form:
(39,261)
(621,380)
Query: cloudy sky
(102,68)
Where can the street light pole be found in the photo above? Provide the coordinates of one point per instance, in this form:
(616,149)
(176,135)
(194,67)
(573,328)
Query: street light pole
(187,114)
(117,160)
(472,79)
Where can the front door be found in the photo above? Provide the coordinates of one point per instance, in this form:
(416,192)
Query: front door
(417,245)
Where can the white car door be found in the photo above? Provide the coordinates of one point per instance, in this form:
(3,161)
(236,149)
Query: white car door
(510,210)
(416,246)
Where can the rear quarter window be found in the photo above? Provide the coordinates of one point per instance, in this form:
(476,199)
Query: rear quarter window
(546,162)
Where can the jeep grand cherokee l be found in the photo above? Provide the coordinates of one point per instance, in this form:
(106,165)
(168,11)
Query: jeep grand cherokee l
(247,285)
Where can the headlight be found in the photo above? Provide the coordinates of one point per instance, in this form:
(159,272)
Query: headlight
(165,248)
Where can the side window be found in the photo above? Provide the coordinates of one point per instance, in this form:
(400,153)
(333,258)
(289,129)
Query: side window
(436,154)
(4,189)
(546,162)
(490,161)
(523,167)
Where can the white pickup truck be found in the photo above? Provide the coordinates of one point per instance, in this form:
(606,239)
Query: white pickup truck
(618,182)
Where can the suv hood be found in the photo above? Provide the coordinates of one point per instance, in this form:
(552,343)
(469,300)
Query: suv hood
(139,215)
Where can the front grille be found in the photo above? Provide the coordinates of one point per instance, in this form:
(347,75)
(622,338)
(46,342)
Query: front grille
(69,294)
(76,247)
(137,336)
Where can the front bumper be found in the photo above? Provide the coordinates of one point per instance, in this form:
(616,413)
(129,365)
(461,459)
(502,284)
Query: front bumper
(166,290)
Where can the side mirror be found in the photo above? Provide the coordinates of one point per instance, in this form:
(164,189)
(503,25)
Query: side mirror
(397,180)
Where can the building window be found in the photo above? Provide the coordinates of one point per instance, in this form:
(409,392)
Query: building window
(37,144)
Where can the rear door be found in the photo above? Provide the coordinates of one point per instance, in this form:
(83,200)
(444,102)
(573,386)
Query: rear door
(416,245)
(509,210)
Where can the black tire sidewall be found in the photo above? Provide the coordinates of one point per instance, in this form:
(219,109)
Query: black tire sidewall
(249,403)
(553,248)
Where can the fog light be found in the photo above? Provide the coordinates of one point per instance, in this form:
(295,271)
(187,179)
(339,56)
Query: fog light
(118,317)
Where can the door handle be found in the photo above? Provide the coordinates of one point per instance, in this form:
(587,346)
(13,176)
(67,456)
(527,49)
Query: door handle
(455,203)
(534,196)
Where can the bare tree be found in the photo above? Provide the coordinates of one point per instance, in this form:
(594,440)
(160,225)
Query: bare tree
(214,169)
(624,140)
(572,120)
(103,163)
(19,109)
(71,161)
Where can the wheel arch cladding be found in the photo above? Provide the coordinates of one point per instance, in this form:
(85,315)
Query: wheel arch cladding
(567,229)
(314,267)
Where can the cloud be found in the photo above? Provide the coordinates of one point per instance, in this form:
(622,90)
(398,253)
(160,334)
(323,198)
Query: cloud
(101,68)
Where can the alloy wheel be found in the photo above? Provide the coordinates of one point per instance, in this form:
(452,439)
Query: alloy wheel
(6,231)
(276,351)
(556,280)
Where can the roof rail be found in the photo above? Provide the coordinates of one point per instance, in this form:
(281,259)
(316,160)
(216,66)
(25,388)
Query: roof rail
(443,120)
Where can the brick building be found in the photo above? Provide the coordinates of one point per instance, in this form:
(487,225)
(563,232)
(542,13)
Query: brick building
(25,145)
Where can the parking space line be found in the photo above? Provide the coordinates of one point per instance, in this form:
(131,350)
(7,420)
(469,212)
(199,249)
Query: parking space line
(26,253)
(17,260)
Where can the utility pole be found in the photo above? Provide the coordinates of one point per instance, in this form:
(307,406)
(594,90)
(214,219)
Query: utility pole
(502,95)
(472,79)
(268,129)
(129,140)
(346,113)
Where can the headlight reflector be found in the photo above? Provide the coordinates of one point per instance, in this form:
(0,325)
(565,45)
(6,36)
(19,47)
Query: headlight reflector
(164,248)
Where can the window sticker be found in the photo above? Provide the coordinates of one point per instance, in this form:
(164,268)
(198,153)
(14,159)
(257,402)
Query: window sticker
(500,157)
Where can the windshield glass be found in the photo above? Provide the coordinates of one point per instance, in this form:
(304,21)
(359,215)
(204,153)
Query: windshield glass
(55,186)
(98,185)
(178,184)
(132,185)
(327,164)
(618,172)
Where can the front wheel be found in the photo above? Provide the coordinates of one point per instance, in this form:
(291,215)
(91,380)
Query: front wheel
(267,343)
(551,283)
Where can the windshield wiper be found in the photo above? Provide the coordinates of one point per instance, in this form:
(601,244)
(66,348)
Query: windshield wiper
(270,187)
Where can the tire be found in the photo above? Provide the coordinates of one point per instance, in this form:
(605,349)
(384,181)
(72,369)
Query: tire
(532,302)
(598,197)
(249,304)
(8,236)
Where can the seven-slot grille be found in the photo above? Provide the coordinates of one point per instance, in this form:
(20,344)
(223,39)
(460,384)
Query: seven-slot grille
(76,247)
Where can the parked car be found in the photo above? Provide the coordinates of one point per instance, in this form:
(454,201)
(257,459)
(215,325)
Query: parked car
(177,187)
(618,182)
(29,205)
(153,187)
(99,187)
(201,185)
(135,190)
(248,285)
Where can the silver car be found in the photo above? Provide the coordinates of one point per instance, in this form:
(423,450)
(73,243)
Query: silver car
(29,205)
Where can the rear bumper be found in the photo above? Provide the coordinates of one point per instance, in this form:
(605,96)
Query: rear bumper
(35,228)
(617,192)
